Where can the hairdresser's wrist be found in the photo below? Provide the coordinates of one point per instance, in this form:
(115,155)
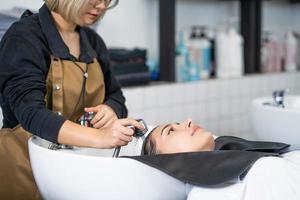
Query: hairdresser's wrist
(101,141)
(77,135)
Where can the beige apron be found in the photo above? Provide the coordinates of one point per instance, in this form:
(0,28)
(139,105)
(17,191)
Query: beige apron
(66,96)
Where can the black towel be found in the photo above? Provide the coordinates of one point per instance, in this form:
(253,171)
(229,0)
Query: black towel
(232,159)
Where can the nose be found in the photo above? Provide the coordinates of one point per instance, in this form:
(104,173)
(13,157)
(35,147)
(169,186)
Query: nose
(101,5)
(188,123)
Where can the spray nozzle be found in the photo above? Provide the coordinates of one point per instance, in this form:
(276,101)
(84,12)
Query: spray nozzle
(86,118)
(139,132)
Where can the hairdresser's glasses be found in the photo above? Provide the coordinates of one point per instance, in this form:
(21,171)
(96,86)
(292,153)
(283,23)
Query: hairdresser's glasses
(108,3)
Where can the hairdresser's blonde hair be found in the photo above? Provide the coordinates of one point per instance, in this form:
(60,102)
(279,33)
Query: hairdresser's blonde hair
(68,9)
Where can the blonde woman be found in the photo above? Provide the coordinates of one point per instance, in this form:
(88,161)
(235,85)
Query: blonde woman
(53,69)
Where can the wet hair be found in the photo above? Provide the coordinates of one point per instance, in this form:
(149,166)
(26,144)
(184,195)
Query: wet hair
(149,147)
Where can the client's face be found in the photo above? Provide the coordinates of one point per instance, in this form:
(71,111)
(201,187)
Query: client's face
(180,137)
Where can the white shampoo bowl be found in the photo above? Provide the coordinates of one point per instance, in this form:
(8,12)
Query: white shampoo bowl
(277,124)
(93,174)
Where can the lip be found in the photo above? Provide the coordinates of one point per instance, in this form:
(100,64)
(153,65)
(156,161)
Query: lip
(93,15)
(195,129)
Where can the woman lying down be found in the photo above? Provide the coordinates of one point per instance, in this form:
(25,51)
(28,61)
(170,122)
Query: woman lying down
(223,168)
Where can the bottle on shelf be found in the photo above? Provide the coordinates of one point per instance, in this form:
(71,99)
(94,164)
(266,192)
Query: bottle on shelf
(298,56)
(271,53)
(222,64)
(205,46)
(290,52)
(229,53)
(211,35)
(194,55)
(182,60)
(236,54)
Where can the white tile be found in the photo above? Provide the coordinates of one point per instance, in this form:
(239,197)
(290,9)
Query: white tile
(234,106)
(192,110)
(177,94)
(215,109)
(224,126)
(150,116)
(165,115)
(246,87)
(201,93)
(200,110)
(164,97)
(213,127)
(208,109)
(186,113)
(134,98)
(214,90)
(151,98)
(190,90)
(232,88)
(203,123)
(135,114)
(177,113)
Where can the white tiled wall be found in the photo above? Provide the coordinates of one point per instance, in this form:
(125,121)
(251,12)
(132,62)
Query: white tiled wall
(221,106)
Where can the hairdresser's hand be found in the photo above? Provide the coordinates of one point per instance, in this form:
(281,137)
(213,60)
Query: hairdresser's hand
(104,116)
(118,133)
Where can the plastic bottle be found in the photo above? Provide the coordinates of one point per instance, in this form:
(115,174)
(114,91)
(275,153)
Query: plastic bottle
(229,54)
(236,54)
(153,68)
(221,54)
(298,56)
(290,52)
(205,54)
(182,60)
(211,35)
(194,55)
(271,54)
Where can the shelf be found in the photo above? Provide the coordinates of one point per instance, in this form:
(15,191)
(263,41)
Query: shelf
(250,29)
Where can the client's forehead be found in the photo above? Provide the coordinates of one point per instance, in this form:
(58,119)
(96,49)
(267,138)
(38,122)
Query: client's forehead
(159,129)
(157,132)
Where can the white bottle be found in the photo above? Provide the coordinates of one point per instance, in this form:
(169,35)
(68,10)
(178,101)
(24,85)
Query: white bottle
(290,52)
(236,53)
(221,55)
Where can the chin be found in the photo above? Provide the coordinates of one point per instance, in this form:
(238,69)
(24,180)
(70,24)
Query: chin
(88,23)
(208,142)
(211,142)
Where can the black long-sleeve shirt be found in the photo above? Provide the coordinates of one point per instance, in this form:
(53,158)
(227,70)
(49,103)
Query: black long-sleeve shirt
(25,51)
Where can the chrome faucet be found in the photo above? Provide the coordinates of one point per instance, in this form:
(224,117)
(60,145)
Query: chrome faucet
(278,96)
(55,146)
(84,120)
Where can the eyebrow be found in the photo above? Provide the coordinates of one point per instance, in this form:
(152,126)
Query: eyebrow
(166,126)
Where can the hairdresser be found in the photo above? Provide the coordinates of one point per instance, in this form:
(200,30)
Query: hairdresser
(53,69)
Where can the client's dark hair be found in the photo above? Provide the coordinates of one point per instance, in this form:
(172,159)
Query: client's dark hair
(149,147)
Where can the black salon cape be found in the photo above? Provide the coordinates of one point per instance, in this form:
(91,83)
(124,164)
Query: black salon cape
(232,159)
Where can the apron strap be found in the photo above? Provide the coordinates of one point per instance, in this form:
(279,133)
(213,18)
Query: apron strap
(57,85)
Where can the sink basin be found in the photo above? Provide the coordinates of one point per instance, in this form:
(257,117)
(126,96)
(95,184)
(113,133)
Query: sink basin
(83,173)
(271,123)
